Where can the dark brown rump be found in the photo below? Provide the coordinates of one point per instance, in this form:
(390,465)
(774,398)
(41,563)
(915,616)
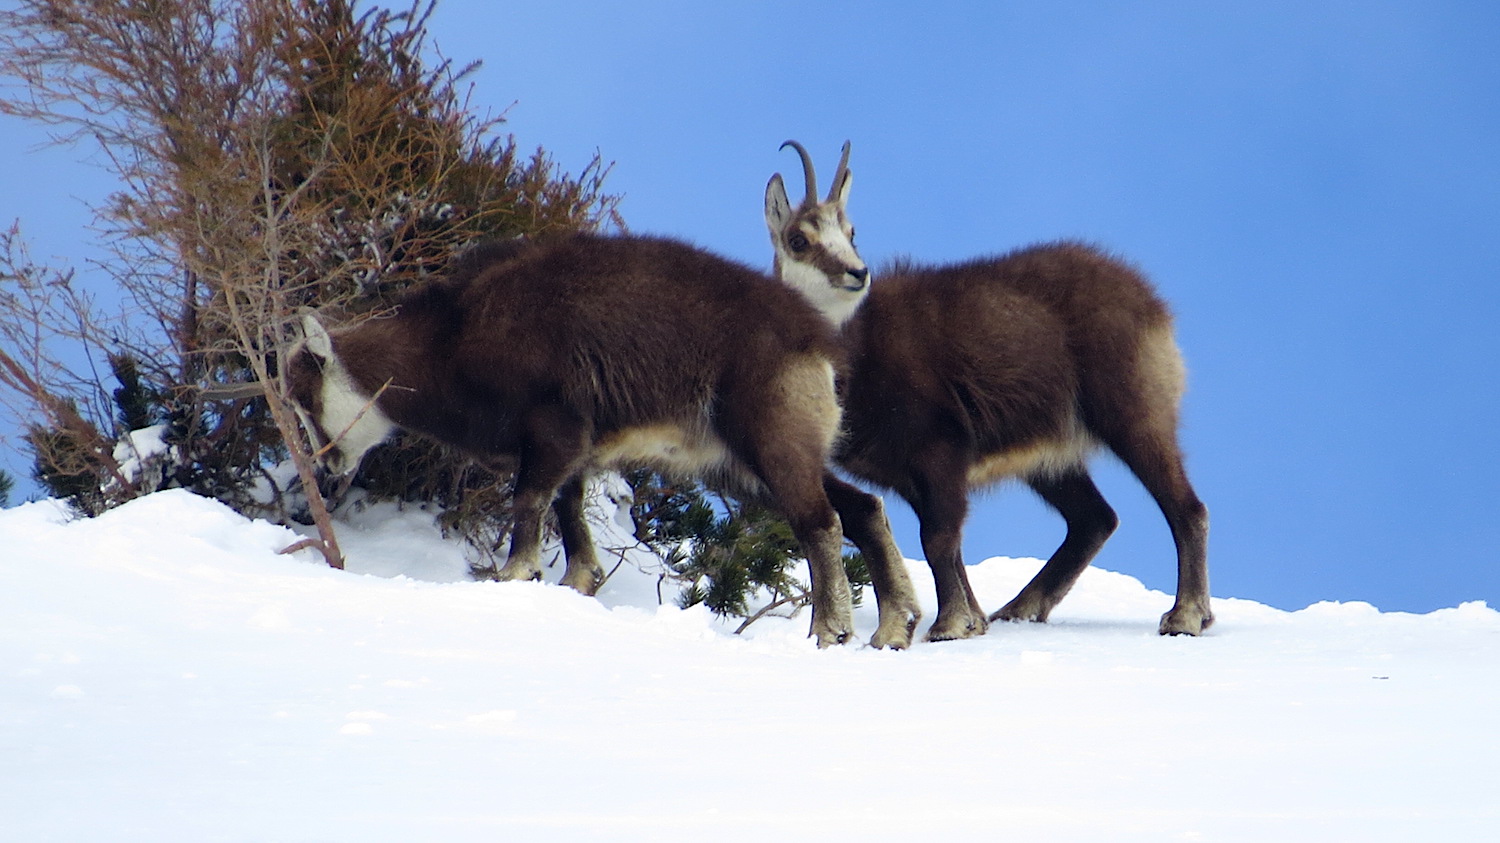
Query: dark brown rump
(1118,331)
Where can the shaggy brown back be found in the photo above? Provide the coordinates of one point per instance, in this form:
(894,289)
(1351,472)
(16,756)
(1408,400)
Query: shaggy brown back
(622,331)
(1044,335)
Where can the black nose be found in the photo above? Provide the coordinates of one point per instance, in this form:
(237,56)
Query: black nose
(860,275)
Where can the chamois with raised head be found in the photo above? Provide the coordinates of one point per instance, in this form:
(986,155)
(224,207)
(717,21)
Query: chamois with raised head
(589,352)
(1017,366)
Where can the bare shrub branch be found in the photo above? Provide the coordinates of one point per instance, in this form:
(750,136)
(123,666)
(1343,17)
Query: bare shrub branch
(272,155)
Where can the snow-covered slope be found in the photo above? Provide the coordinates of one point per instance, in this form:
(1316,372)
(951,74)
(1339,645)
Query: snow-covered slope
(164,675)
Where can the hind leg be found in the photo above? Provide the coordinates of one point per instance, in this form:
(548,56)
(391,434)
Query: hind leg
(795,480)
(1160,470)
(784,435)
(800,496)
(1090,522)
(865,524)
(1153,455)
(1135,414)
(554,448)
(584,573)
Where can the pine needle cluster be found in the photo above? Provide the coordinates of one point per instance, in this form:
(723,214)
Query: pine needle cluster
(738,559)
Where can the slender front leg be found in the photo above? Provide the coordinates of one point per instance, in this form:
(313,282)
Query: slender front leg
(942,507)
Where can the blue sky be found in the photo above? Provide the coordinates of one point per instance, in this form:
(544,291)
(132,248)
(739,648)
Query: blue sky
(1314,186)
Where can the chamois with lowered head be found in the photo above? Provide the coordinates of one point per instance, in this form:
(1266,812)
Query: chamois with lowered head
(586,352)
(1017,366)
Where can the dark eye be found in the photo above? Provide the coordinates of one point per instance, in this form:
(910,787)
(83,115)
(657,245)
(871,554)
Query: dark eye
(797,242)
(851,235)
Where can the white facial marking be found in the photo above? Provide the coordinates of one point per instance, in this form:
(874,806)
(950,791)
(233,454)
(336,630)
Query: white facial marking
(837,298)
(834,241)
(344,406)
(836,303)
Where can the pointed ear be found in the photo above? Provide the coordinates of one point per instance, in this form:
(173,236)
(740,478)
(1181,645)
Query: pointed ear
(778,207)
(841,192)
(316,336)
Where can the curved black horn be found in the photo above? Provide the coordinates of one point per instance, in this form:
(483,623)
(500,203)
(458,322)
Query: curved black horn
(811,193)
(838,175)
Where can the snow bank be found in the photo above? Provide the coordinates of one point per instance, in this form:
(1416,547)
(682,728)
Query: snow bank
(164,674)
